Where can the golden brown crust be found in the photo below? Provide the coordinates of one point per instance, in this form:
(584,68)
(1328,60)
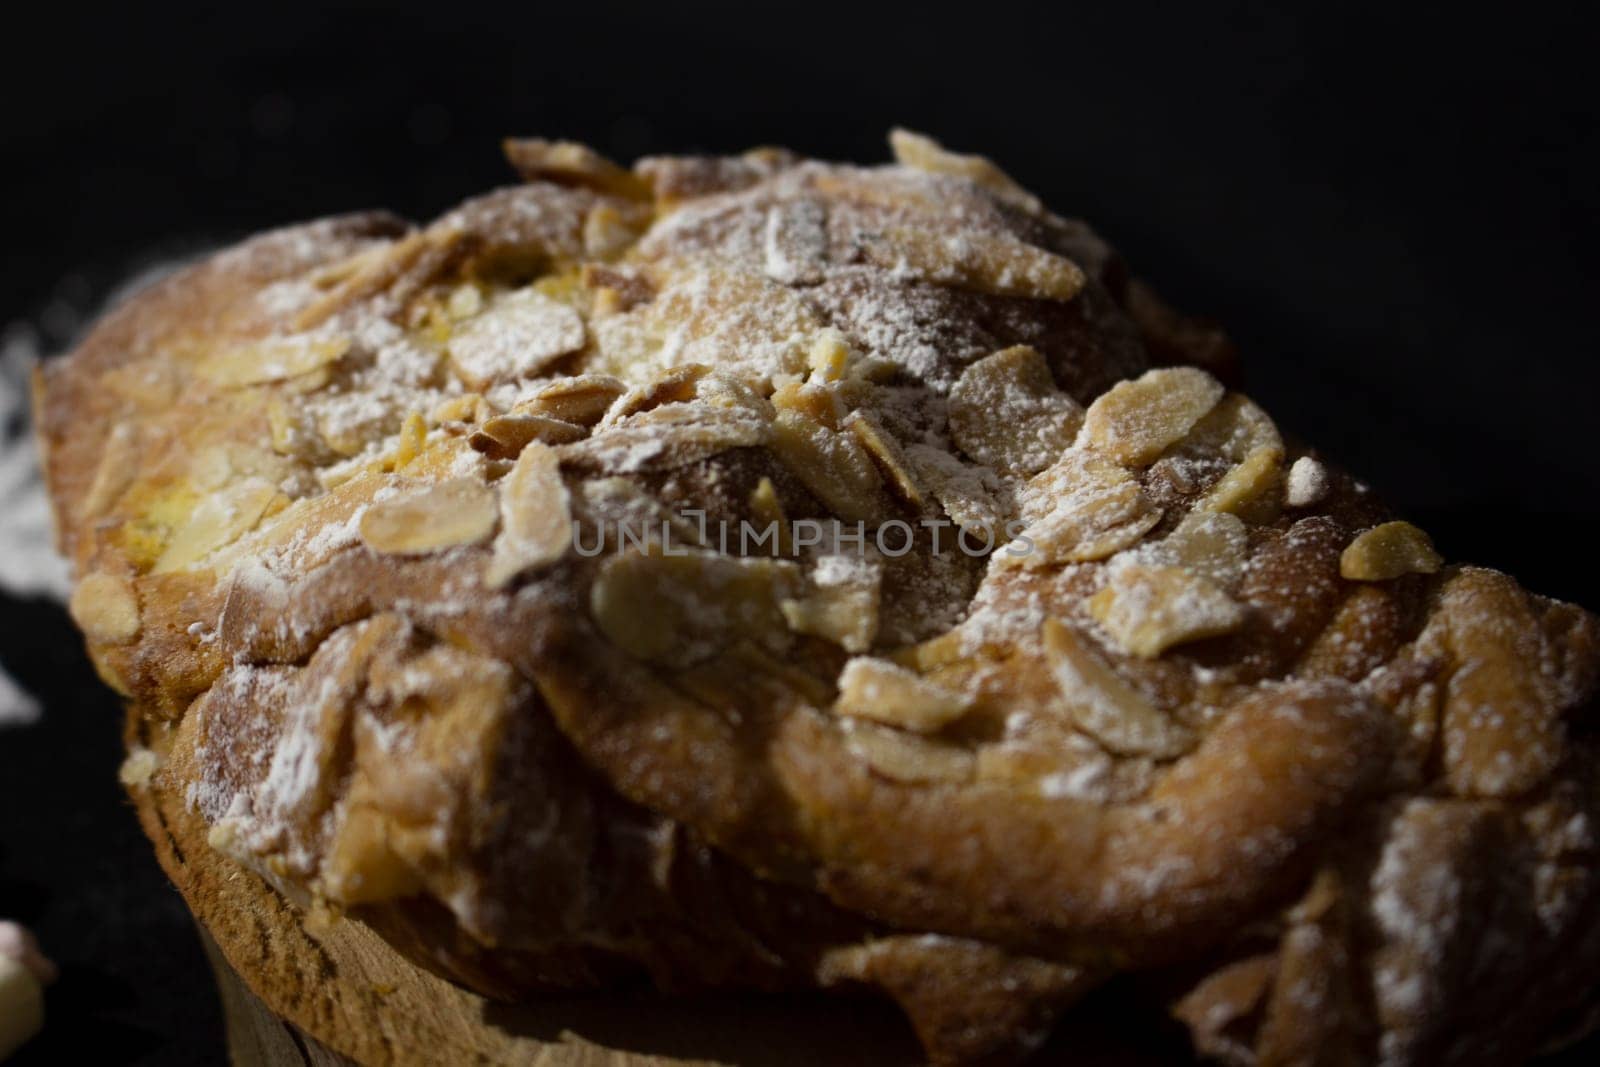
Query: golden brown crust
(348,506)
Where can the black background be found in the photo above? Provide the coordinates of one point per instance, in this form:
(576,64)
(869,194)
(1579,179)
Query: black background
(1394,212)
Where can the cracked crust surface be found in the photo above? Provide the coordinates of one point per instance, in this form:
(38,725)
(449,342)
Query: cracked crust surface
(408,547)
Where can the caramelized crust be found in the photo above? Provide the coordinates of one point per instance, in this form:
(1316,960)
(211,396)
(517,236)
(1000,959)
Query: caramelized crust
(423,558)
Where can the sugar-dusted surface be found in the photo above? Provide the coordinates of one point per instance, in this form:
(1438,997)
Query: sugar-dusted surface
(1128,710)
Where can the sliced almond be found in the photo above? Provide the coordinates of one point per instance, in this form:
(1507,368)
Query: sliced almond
(1104,706)
(581,400)
(460,511)
(517,336)
(980,260)
(1055,762)
(105,608)
(413,439)
(675,385)
(884,692)
(1232,430)
(767,508)
(219,520)
(1085,507)
(149,384)
(667,437)
(271,360)
(840,603)
(1134,422)
(570,163)
(709,311)
(398,269)
(465,407)
(834,466)
(674,609)
(505,436)
(1212,544)
(535,516)
(905,757)
(887,454)
(926,154)
(622,513)
(1388,551)
(293,430)
(1149,609)
(348,423)
(119,463)
(607,231)
(948,649)
(830,357)
(966,493)
(735,393)
(1249,490)
(1006,412)
(821,402)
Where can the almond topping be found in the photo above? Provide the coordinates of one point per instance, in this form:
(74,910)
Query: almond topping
(1104,706)
(1149,609)
(830,357)
(879,690)
(413,439)
(926,154)
(975,260)
(904,757)
(668,437)
(519,335)
(570,163)
(581,400)
(271,360)
(1250,489)
(966,493)
(1085,507)
(1389,551)
(535,516)
(456,512)
(819,402)
(219,520)
(1134,422)
(105,608)
(673,610)
(505,436)
(767,508)
(886,453)
(398,269)
(676,385)
(1232,430)
(466,407)
(293,430)
(607,232)
(834,466)
(1006,412)
(841,603)
(119,464)
(1212,544)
